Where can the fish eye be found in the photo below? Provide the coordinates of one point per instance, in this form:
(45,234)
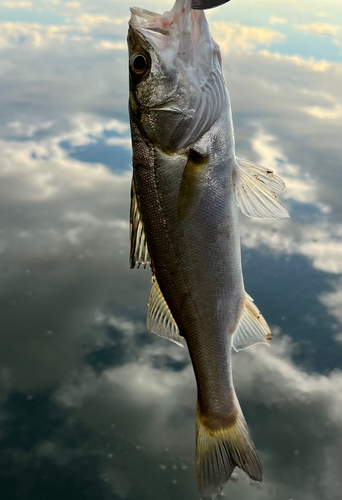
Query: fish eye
(139,63)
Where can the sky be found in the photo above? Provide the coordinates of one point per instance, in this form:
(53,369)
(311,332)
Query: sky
(92,405)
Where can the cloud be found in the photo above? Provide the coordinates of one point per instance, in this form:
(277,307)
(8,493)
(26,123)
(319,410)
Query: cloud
(277,20)
(332,113)
(37,162)
(120,141)
(107,45)
(267,382)
(333,31)
(54,198)
(73,315)
(41,37)
(28,130)
(33,35)
(270,154)
(321,243)
(333,301)
(311,64)
(318,29)
(236,37)
(73,5)
(89,21)
(16,5)
(85,128)
(325,255)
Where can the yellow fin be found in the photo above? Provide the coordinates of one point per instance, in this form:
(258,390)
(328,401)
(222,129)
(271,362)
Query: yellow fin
(218,452)
(252,327)
(159,318)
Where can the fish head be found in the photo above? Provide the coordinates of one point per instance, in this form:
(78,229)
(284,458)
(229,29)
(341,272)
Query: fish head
(177,88)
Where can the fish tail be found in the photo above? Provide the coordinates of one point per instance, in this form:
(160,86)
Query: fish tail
(219,449)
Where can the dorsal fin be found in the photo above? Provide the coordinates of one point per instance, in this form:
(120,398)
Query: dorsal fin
(256,189)
(252,327)
(159,318)
(139,251)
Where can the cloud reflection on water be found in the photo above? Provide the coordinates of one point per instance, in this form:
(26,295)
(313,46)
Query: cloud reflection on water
(75,349)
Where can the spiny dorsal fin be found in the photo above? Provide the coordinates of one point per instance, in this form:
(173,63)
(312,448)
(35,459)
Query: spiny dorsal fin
(252,327)
(256,189)
(139,251)
(159,318)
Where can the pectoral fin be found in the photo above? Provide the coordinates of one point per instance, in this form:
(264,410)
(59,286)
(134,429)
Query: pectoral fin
(139,250)
(252,327)
(256,189)
(159,317)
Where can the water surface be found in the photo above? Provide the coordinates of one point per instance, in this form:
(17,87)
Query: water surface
(92,405)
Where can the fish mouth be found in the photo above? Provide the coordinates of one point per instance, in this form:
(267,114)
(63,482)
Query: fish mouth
(142,19)
(152,26)
(180,28)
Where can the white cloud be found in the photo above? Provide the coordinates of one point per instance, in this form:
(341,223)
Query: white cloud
(107,45)
(267,148)
(90,21)
(265,378)
(33,35)
(40,36)
(318,29)
(311,63)
(333,31)
(326,254)
(46,167)
(80,211)
(236,37)
(120,141)
(277,20)
(333,302)
(73,5)
(85,128)
(75,215)
(28,130)
(320,242)
(332,113)
(12,4)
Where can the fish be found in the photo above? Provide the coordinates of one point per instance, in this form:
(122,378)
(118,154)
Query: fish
(187,186)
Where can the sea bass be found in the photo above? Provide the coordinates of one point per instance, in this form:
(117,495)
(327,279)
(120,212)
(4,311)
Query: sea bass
(186,189)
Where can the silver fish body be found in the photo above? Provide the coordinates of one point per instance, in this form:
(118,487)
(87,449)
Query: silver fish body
(187,184)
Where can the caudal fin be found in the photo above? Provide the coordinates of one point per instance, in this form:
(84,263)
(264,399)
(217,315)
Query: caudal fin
(219,451)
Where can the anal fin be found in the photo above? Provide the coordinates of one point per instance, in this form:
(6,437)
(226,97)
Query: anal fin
(256,189)
(159,317)
(252,328)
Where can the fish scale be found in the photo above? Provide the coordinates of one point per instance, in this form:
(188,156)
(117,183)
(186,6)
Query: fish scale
(187,186)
